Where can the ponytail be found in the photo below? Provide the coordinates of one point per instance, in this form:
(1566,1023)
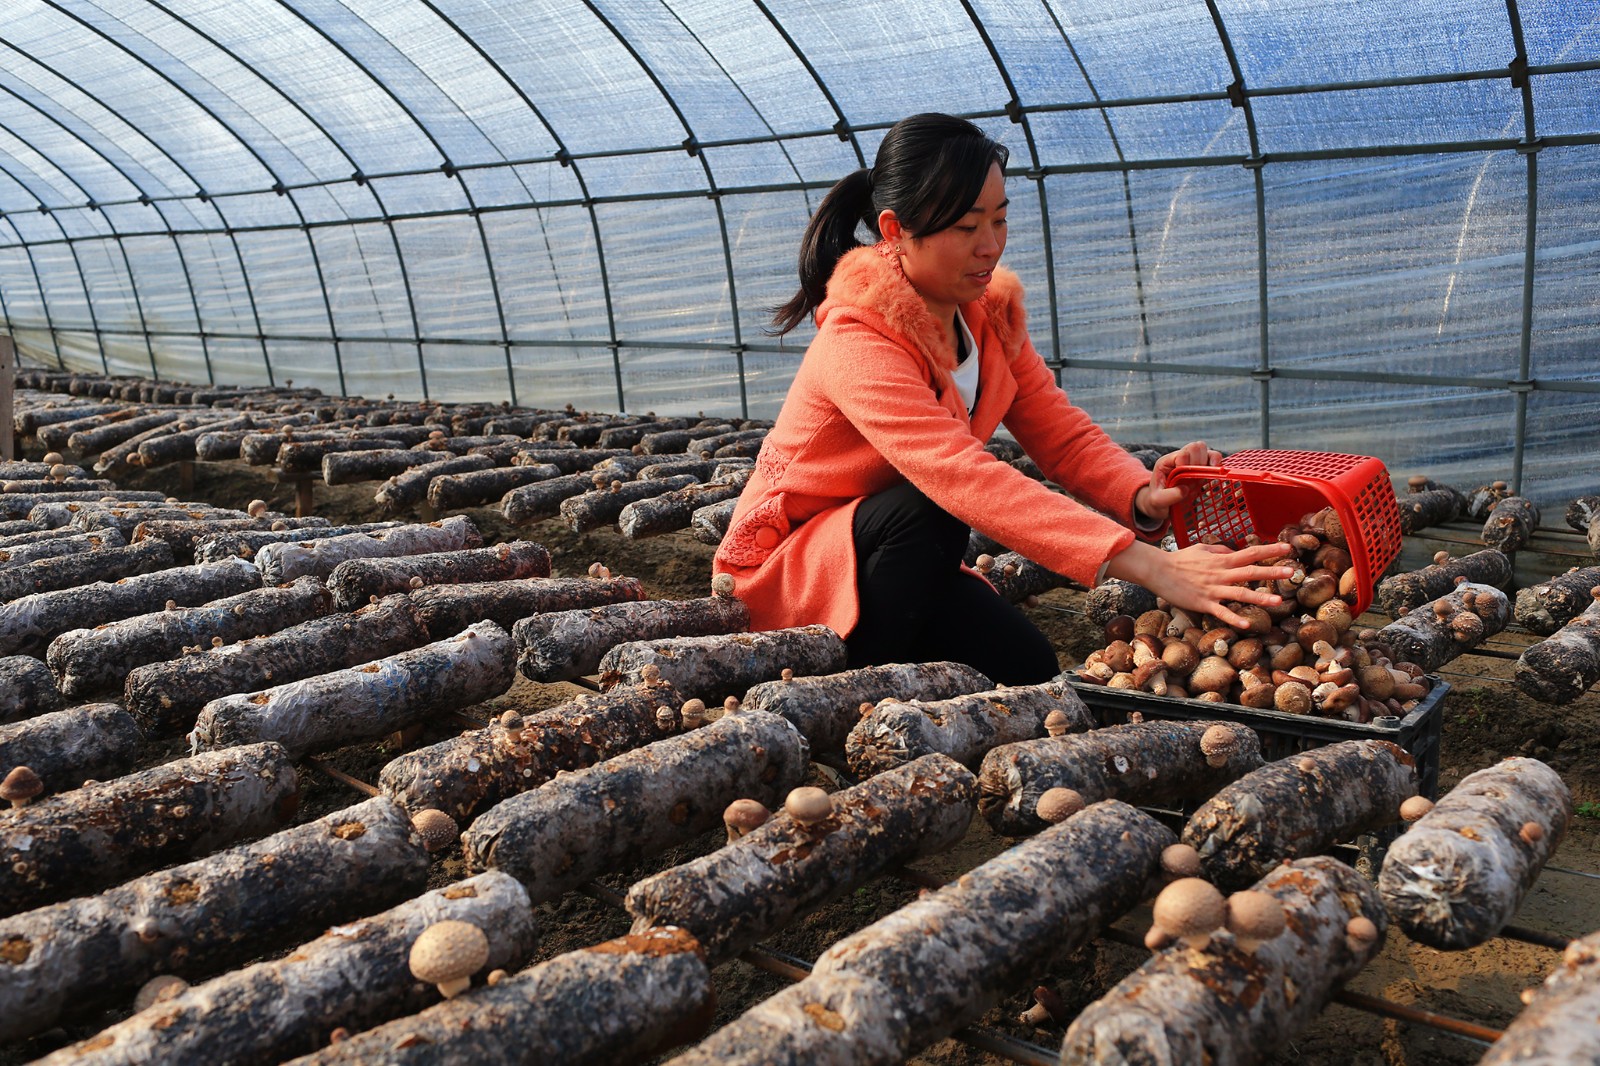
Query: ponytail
(929,171)
(829,235)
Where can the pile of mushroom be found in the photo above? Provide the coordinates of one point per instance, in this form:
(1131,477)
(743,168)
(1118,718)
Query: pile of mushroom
(1303,656)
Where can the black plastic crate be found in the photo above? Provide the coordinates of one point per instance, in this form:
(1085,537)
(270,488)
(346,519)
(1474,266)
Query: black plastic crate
(1282,734)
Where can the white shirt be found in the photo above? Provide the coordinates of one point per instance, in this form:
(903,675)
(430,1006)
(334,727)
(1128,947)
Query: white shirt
(965,375)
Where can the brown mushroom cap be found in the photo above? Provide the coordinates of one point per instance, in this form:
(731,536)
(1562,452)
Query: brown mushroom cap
(1254,917)
(1360,933)
(437,829)
(158,989)
(20,786)
(1292,698)
(1415,808)
(693,713)
(448,953)
(722,585)
(1190,909)
(1180,860)
(1212,674)
(808,805)
(52,458)
(1058,804)
(1057,722)
(743,815)
(1217,743)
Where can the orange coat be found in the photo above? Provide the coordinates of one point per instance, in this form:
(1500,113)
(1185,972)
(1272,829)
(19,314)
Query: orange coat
(872,405)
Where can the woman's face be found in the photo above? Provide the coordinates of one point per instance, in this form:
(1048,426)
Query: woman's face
(953,266)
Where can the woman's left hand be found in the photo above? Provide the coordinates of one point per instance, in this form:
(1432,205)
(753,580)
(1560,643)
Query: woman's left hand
(1155,500)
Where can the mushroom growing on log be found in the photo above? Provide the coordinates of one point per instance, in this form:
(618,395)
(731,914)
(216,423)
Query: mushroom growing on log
(87,661)
(637,804)
(1457,876)
(712,668)
(1551,604)
(287,561)
(475,488)
(1583,514)
(1557,1027)
(110,563)
(472,772)
(1564,665)
(1452,625)
(65,747)
(364,702)
(826,707)
(1146,764)
(1235,1002)
(445,609)
(74,543)
(619,1001)
(675,509)
(784,869)
(357,581)
(80,841)
(964,727)
(601,507)
(1511,523)
(1298,806)
(69,958)
(561,645)
(409,488)
(709,524)
(244,543)
(1430,507)
(1408,591)
(353,976)
(922,972)
(167,696)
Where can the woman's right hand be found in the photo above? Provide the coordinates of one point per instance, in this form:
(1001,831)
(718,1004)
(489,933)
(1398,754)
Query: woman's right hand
(1203,577)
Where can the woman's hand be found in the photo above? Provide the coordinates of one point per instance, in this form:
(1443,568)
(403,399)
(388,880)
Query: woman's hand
(1155,500)
(1202,577)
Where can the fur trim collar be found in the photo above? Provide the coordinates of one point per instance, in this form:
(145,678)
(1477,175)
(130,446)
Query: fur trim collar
(869,279)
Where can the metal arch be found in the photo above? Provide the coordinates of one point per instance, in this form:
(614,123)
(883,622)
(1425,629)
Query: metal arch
(83,280)
(38,283)
(183,261)
(1255,162)
(243,143)
(1127,186)
(846,131)
(712,192)
(1020,117)
(1530,150)
(577,173)
(133,282)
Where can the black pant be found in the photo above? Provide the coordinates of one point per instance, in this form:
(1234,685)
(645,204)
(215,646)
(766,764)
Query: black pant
(917,605)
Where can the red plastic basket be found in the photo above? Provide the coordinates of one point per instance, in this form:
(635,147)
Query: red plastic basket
(1263,490)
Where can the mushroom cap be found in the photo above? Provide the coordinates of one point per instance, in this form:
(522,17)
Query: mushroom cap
(1415,808)
(1190,906)
(1361,930)
(1057,722)
(256,508)
(449,951)
(1219,740)
(1180,860)
(808,805)
(437,829)
(1255,915)
(744,815)
(693,711)
(21,784)
(157,990)
(722,585)
(1058,804)
(52,458)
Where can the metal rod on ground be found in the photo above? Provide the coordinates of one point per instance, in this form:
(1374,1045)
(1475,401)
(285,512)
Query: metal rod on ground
(1575,873)
(340,776)
(1537,937)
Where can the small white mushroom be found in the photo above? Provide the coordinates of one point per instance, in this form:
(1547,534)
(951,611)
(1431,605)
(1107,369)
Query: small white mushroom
(447,954)
(808,805)
(436,829)
(743,815)
(158,989)
(1058,804)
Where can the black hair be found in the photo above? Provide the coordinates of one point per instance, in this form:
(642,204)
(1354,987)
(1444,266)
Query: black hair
(929,171)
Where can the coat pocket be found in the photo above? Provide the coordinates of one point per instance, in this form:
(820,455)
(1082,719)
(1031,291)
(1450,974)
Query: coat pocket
(757,534)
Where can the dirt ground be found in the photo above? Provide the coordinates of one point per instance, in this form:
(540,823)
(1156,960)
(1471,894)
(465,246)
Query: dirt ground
(1484,719)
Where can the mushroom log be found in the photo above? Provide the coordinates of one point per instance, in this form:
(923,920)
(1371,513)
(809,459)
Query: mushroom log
(623,1000)
(1408,591)
(1147,764)
(80,841)
(27,689)
(478,769)
(785,869)
(562,645)
(638,804)
(932,966)
(1299,806)
(86,661)
(1564,665)
(963,727)
(69,958)
(675,509)
(826,707)
(167,696)
(65,747)
(1459,874)
(364,702)
(287,560)
(446,609)
(244,544)
(1452,625)
(1557,1028)
(356,582)
(714,667)
(1549,605)
(1231,998)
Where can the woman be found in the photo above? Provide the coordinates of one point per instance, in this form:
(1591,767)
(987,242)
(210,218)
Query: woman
(858,510)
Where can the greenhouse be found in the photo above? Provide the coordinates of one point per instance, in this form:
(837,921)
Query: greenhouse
(445,617)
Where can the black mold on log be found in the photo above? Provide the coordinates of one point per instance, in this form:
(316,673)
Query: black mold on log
(713,668)
(562,645)
(446,609)
(1146,764)
(72,957)
(1299,806)
(1458,875)
(638,804)
(357,581)
(78,842)
(478,769)
(167,696)
(784,870)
